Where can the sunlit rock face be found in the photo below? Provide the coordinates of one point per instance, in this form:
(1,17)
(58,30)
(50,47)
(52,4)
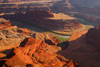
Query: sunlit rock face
(33,52)
(13,35)
(24,48)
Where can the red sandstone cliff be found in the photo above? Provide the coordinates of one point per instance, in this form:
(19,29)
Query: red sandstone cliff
(38,17)
(14,35)
(84,47)
(36,53)
(4,23)
(19,48)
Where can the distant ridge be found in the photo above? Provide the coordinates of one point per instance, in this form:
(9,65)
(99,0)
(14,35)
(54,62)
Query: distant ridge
(10,1)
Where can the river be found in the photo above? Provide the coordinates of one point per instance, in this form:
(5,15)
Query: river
(35,30)
(86,21)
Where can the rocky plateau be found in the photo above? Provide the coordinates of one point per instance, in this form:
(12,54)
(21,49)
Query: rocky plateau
(21,47)
(88,10)
(39,17)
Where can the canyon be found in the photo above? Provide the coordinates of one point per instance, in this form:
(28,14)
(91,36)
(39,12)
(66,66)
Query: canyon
(64,5)
(29,48)
(56,6)
(23,47)
(92,18)
(84,47)
(40,18)
(87,10)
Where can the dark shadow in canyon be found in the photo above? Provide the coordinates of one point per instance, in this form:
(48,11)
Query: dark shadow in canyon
(79,51)
(63,45)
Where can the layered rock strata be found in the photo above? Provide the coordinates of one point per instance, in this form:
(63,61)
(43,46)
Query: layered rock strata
(13,35)
(18,48)
(39,17)
(92,18)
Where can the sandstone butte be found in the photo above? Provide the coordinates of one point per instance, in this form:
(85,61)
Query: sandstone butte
(39,17)
(31,50)
(84,47)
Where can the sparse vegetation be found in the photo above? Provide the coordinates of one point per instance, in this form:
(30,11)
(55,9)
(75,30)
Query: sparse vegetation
(64,42)
(88,26)
(65,34)
(19,23)
(72,15)
(63,45)
(83,22)
(62,39)
(38,28)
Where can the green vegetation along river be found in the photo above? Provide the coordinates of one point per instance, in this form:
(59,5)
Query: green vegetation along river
(36,28)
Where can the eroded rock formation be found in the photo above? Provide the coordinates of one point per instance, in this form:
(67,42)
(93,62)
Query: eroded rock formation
(36,53)
(13,35)
(63,6)
(84,47)
(21,49)
(38,17)
(4,23)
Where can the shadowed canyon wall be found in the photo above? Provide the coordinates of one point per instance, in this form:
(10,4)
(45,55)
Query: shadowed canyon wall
(38,17)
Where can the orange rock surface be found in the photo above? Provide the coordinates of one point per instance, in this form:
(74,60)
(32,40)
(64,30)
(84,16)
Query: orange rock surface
(12,36)
(77,35)
(19,48)
(4,23)
(35,53)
